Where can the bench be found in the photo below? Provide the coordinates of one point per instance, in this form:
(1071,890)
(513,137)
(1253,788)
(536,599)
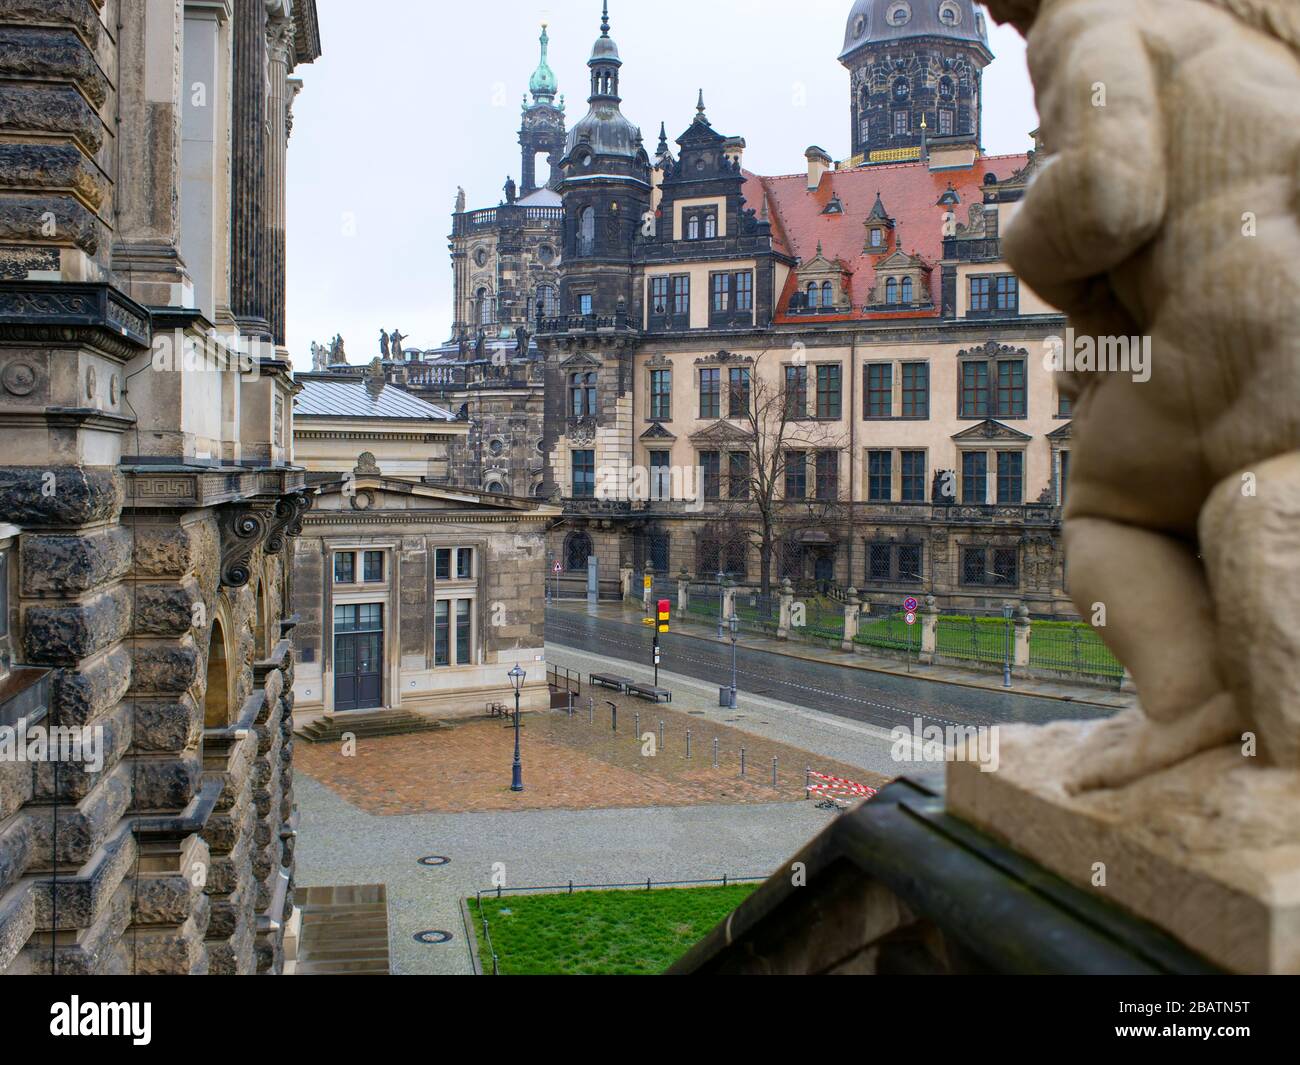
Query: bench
(605,680)
(649,691)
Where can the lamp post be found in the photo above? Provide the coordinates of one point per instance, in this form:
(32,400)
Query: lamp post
(722,600)
(1008,612)
(733,623)
(517,676)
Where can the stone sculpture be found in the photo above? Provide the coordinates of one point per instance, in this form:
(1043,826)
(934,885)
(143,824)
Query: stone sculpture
(1170,211)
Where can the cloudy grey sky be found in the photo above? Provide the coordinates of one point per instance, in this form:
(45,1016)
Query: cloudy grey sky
(415,97)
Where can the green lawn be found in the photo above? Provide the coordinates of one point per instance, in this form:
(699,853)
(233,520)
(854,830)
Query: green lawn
(600,933)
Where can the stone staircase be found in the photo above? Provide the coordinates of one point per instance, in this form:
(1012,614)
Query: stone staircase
(369,726)
(344,932)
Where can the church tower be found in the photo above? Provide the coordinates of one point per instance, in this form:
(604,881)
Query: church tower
(542,129)
(605,184)
(916,70)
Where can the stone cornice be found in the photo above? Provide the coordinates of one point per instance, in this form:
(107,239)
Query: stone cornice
(40,311)
(422,517)
(187,488)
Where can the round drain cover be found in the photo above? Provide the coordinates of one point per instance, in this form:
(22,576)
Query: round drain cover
(435,860)
(433,938)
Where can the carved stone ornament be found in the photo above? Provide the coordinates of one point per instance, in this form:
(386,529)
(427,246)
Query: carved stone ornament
(19,378)
(287,523)
(242,533)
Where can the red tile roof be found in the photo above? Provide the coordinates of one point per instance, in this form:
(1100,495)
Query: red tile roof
(910,193)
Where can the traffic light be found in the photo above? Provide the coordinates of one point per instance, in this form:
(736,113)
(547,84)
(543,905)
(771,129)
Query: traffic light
(665,614)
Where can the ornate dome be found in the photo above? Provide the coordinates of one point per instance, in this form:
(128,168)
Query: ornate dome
(543,82)
(882,21)
(605,130)
(604,50)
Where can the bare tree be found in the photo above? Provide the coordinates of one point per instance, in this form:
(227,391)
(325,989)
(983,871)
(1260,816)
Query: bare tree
(777,411)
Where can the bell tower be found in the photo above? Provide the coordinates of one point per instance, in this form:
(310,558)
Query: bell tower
(542,129)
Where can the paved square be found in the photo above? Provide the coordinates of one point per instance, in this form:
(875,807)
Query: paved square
(569,763)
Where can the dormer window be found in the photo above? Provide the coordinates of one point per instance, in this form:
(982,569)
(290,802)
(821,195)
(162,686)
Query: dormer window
(907,290)
(899,14)
(814,294)
(702,225)
(950,13)
(891,290)
(877,239)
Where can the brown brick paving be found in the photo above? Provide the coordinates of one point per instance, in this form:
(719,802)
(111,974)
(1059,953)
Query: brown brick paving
(568,764)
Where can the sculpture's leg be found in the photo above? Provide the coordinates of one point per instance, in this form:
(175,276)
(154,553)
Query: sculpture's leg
(1160,623)
(1250,531)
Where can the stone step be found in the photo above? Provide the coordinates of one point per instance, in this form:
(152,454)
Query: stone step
(369,726)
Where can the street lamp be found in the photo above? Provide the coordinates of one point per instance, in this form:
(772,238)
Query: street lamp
(722,600)
(517,676)
(1008,612)
(733,624)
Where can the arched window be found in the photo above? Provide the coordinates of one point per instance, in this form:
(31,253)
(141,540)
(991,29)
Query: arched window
(577,552)
(496,486)
(587,231)
(548,301)
(261,648)
(907,290)
(216,700)
(828,295)
(891,290)
(693,227)
(710,226)
(813,299)
(487,307)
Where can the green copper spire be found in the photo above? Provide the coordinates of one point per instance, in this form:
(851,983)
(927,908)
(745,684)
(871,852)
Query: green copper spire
(543,85)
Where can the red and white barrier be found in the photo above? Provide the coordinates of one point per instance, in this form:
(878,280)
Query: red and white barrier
(836,788)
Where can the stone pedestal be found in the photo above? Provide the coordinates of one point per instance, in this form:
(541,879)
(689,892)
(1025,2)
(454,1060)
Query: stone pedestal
(1208,850)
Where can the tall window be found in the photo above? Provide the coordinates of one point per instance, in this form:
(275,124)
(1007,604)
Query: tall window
(586,305)
(548,300)
(945,123)
(659,296)
(916,389)
(711,467)
(738,475)
(661,476)
(487,307)
(373,567)
(710,226)
(828,475)
(880,390)
(814,295)
(913,463)
(584,475)
(981,294)
(721,293)
(582,395)
(711,393)
(830,405)
(738,393)
(907,290)
(1011,388)
(587,231)
(796,475)
(796,391)
(891,290)
(828,295)
(345,567)
(661,395)
(902,122)
(975,390)
(732,297)
(578,550)
(1011,477)
(693,227)
(1063,479)
(682,296)
(744,286)
(975,478)
(880,476)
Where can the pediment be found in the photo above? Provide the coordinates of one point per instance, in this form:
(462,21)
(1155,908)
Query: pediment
(991,430)
(992,350)
(580,360)
(1065,432)
(722,433)
(900,260)
(658,432)
(369,493)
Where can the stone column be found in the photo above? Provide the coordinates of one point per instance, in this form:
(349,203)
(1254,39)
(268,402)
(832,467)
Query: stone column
(852,614)
(248,171)
(929,630)
(279,43)
(1024,629)
(146,250)
(729,601)
(787,609)
(683,593)
(625,581)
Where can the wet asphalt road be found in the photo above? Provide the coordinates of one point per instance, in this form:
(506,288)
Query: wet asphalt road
(879,699)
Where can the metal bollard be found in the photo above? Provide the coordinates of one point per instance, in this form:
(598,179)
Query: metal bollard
(807,783)
(742,761)
(591,710)
(715,752)
(688,743)
(636,726)
(774,772)
(661,735)
(613,715)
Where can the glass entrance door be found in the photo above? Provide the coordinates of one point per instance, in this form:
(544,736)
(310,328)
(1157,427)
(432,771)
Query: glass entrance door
(359,657)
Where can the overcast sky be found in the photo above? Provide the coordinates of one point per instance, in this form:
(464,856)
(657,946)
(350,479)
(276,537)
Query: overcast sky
(415,97)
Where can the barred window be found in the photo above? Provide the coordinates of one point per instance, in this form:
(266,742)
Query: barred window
(974,567)
(880,562)
(1006,569)
(909,562)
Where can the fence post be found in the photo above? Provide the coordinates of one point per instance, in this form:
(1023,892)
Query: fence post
(787,608)
(852,612)
(683,592)
(929,631)
(1024,630)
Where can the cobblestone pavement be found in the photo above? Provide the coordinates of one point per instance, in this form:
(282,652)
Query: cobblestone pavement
(577,762)
(341,844)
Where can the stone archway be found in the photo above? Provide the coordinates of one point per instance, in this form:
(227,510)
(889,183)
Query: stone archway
(216,699)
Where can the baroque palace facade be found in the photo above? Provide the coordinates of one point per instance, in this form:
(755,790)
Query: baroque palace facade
(148,485)
(840,355)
